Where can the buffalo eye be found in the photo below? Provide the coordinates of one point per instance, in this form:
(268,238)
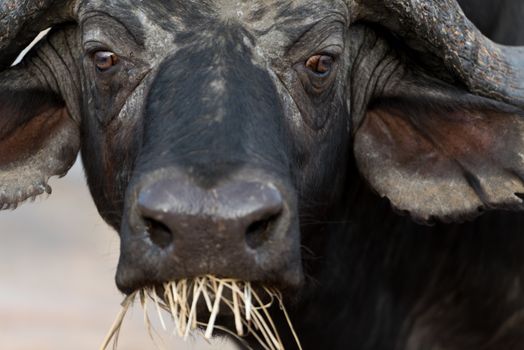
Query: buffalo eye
(320,64)
(104,60)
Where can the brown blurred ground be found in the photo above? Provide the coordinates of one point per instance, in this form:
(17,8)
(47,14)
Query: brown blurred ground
(57,264)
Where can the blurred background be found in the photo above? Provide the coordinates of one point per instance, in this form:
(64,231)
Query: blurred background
(57,265)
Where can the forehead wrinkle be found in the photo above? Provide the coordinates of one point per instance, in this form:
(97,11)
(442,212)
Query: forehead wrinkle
(137,33)
(287,30)
(287,16)
(321,33)
(311,10)
(263,15)
(304,23)
(159,41)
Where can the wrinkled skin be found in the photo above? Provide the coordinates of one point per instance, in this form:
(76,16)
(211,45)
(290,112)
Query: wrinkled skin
(206,96)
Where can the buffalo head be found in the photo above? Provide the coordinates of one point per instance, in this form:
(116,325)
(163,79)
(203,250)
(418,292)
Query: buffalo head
(212,132)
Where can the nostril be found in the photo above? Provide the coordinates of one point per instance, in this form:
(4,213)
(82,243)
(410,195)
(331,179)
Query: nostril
(259,231)
(159,233)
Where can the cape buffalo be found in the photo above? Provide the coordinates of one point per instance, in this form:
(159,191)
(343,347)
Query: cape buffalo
(338,150)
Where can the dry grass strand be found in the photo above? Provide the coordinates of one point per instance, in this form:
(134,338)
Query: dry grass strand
(181,299)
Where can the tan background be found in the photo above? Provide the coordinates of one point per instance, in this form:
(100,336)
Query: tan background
(57,265)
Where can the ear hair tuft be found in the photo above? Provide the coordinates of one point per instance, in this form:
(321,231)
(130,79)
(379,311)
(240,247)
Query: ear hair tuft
(11,201)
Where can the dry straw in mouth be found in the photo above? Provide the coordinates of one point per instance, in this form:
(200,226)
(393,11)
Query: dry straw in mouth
(180,300)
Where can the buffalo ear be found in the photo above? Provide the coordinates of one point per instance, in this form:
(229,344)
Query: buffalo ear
(38,139)
(441,153)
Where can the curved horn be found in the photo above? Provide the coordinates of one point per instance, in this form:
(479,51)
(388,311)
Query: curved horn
(22,20)
(486,68)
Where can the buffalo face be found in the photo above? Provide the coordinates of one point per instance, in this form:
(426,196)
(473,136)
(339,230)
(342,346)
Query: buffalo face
(208,125)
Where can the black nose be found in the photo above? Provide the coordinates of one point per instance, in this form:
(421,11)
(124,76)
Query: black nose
(177,229)
(242,212)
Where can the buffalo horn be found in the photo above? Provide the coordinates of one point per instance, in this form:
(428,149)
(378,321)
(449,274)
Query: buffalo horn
(22,20)
(440,26)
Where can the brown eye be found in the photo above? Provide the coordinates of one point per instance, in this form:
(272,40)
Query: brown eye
(105,60)
(320,64)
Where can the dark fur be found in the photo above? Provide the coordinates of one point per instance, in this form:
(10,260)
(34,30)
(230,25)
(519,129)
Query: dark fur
(377,280)
(380,279)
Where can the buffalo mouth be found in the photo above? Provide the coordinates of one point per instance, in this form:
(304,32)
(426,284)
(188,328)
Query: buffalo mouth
(225,305)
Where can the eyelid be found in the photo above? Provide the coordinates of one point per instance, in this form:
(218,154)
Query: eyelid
(333,51)
(118,26)
(325,35)
(91,47)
